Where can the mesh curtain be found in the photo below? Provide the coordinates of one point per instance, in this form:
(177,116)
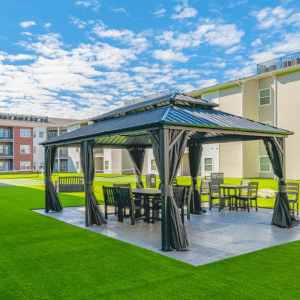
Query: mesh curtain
(195,153)
(52,201)
(93,213)
(137,156)
(281,214)
(176,146)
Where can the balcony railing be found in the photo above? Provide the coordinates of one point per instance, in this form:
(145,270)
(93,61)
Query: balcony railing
(63,152)
(279,63)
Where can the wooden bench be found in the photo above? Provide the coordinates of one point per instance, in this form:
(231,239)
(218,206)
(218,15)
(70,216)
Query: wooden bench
(69,184)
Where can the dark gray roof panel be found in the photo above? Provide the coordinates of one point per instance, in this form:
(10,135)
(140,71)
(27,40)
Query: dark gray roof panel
(172,114)
(178,98)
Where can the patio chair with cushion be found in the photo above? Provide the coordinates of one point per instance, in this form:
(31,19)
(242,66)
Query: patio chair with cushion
(126,201)
(250,195)
(292,191)
(218,193)
(110,199)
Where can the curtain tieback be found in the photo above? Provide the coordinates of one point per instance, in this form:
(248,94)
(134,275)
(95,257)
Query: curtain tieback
(90,189)
(281,188)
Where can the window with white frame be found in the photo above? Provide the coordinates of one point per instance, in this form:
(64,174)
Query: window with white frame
(264,97)
(41,165)
(34,165)
(264,164)
(25,133)
(153,165)
(25,149)
(41,134)
(106,165)
(34,134)
(34,149)
(208,164)
(77,164)
(25,165)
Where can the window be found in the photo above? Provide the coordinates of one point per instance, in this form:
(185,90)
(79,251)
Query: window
(153,165)
(53,134)
(34,149)
(25,149)
(64,166)
(264,97)
(25,133)
(77,149)
(41,134)
(77,164)
(106,165)
(4,133)
(4,166)
(264,164)
(41,165)
(4,150)
(208,164)
(25,165)
(34,134)
(34,166)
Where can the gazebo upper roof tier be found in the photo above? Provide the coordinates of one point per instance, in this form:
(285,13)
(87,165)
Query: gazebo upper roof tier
(205,124)
(164,100)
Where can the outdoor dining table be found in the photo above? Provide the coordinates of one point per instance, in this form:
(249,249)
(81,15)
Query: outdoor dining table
(148,194)
(234,187)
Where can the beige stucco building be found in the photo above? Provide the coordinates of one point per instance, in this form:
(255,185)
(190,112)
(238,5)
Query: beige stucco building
(272,97)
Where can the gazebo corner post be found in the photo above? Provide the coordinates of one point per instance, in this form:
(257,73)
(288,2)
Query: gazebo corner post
(165,189)
(195,153)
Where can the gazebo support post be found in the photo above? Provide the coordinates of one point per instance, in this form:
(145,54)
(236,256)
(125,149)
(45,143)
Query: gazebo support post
(165,189)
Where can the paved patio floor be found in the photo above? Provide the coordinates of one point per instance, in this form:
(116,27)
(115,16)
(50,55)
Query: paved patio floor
(212,236)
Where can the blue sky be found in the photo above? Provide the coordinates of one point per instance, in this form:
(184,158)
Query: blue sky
(78,59)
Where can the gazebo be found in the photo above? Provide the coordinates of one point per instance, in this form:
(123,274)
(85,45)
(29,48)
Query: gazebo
(168,122)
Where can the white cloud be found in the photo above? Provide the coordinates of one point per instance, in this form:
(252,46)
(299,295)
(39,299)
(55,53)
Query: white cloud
(47,25)
(210,33)
(19,57)
(125,36)
(234,49)
(206,83)
(27,24)
(274,17)
(187,12)
(80,24)
(121,10)
(240,72)
(234,4)
(159,13)
(26,33)
(256,43)
(83,3)
(170,56)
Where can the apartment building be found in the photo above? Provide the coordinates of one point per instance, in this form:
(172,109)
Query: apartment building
(20,136)
(271,96)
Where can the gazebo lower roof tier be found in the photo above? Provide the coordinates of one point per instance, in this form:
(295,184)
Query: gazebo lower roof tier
(205,124)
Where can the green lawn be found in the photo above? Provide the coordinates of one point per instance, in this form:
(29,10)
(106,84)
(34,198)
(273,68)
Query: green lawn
(43,258)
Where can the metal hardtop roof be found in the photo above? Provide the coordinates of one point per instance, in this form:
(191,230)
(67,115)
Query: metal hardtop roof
(172,98)
(191,118)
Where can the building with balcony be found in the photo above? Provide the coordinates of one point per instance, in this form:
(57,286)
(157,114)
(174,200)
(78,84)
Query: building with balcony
(20,136)
(272,96)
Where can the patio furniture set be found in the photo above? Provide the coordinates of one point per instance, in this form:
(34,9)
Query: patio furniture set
(168,122)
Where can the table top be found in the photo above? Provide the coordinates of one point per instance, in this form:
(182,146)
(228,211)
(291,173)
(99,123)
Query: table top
(233,186)
(146,192)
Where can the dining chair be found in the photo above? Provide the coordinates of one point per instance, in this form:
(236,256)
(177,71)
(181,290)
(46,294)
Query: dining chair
(251,195)
(110,199)
(292,191)
(127,201)
(216,192)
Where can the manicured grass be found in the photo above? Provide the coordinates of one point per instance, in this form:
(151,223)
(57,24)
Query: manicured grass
(43,258)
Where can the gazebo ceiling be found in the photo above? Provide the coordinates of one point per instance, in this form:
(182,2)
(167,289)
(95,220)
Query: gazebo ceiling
(124,128)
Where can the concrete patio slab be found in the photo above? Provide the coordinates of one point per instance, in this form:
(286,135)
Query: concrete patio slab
(212,236)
